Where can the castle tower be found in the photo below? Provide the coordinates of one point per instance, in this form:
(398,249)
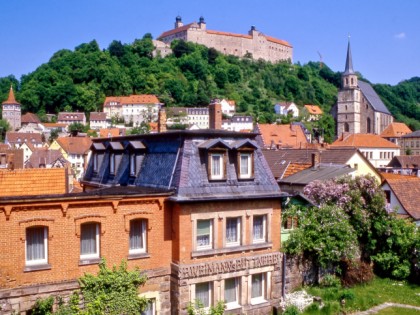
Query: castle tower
(202,23)
(12,111)
(178,22)
(348,101)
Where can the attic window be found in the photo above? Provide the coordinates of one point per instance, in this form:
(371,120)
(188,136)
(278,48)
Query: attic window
(217,165)
(245,165)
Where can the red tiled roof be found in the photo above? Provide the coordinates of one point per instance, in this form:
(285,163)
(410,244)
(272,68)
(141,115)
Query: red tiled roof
(132,99)
(175,30)
(278,41)
(109,132)
(395,130)
(408,194)
(294,168)
(52,125)
(97,116)
(363,140)
(313,109)
(75,145)
(29,118)
(44,156)
(71,116)
(153,126)
(32,181)
(11,99)
(284,135)
(21,137)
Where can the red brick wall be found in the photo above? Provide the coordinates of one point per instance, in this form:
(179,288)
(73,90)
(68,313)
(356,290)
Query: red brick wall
(64,237)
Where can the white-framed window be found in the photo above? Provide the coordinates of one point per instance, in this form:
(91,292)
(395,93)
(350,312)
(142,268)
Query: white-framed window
(89,240)
(259,229)
(203,294)
(258,288)
(132,164)
(137,236)
(95,162)
(245,165)
(216,166)
(204,234)
(151,307)
(36,245)
(233,231)
(231,294)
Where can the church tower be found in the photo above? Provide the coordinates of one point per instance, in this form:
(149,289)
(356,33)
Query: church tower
(12,111)
(348,101)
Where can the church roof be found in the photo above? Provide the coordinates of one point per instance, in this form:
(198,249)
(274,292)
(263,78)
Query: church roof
(373,97)
(11,99)
(349,62)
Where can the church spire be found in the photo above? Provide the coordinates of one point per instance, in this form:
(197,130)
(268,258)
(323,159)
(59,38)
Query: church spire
(349,61)
(11,99)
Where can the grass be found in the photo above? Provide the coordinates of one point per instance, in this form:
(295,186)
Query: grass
(398,311)
(363,297)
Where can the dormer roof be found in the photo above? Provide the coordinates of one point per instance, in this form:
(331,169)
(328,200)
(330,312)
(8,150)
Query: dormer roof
(214,143)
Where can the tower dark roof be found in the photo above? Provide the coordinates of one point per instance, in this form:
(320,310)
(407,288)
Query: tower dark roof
(349,62)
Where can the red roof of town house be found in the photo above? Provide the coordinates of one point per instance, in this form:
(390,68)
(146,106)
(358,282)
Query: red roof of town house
(313,109)
(43,157)
(407,191)
(97,116)
(11,99)
(363,140)
(75,145)
(111,132)
(30,118)
(22,137)
(395,130)
(33,181)
(291,136)
(65,116)
(132,99)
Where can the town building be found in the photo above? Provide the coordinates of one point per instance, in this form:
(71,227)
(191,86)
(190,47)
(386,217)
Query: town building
(376,149)
(273,136)
(238,123)
(312,112)
(133,109)
(46,158)
(10,158)
(11,111)
(198,116)
(395,131)
(16,139)
(410,143)
(30,118)
(359,109)
(97,120)
(404,165)
(255,44)
(225,211)
(228,106)
(76,150)
(286,108)
(71,118)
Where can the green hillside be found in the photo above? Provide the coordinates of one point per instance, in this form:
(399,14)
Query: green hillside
(191,76)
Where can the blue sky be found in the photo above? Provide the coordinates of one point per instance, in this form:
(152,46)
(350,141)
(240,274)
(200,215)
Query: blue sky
(385,35)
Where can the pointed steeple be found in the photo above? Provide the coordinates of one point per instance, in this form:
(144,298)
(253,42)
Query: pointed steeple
(11,99)
(349,61)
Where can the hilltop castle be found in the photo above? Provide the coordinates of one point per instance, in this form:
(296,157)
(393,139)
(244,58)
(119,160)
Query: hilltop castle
(255,44)
(359,109)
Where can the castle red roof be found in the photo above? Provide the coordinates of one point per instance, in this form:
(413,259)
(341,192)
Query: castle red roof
(132,99)
(11,99)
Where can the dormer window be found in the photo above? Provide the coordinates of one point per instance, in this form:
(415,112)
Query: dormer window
(112,163)
(216,165)
(132,164)
(245,166)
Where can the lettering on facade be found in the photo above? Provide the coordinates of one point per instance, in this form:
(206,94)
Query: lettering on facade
(227,266)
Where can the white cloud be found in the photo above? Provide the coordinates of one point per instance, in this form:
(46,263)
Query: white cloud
(400,35)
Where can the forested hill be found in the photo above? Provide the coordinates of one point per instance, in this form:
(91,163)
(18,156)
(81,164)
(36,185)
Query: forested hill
(191,76)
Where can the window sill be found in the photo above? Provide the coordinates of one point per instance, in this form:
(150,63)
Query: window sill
(138,256)
(256,301)
(233,249)
(37,267)
(232,306)
(89,261)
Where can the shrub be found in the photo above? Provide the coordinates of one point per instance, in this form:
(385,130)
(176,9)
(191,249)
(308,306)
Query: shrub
(330,281)
(291,310)
(347,295)
(355,272)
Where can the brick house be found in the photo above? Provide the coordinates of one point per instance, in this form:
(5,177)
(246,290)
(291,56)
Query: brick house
(198,211)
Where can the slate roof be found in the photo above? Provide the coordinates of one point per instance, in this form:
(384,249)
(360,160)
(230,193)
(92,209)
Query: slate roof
(408,194)
(321,172)
(177,161)
(415,134)
(363,140)
(405,161)
(373,97)
(395,130)
(75,145)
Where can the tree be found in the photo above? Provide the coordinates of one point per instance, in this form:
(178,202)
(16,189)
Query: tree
(4,127)
(76,127)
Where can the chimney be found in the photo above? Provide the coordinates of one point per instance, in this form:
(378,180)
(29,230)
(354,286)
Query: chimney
(162,121)
(315,159)
(215,116)
(10,161)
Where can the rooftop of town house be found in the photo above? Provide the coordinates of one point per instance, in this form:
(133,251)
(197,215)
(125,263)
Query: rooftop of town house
(29,118)
(21,137)
(74,145)
(178,160)
(291,136)
(405,161)
(395,130)
(131,99)
(67,116)
(363,140)
(313,109)
(97,116)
